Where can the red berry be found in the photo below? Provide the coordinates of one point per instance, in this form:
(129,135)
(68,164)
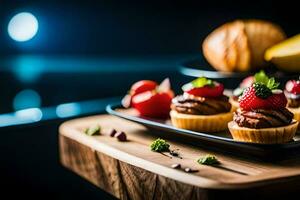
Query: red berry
(247,82)
(142,86)
(249,100)
(207,90)
(277,101)
(293,86)
(153,104)
(137,88)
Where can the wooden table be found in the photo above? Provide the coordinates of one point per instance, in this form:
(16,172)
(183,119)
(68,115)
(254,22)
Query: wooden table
(130,170)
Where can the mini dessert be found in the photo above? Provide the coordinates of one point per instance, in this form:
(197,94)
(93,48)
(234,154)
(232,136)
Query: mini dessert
(202,107)
(292,93)
(150,99)
(262,116)
(247,82)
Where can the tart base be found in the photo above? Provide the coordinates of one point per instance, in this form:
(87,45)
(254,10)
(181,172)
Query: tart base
(234,104)
(201,123)
(296,112)
(275,135)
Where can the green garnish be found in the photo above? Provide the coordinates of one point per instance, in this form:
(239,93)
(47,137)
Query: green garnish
(202,81)
(261,77)
(160,145)
(197,83)
(262,90)
(93,130)
(208,160)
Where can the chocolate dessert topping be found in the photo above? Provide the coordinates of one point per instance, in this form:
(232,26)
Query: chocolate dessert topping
(293,99)
(261,118)
(190,104)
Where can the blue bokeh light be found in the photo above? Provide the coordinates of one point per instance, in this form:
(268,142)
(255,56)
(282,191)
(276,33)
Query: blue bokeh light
(23,27)
(27,99)
(68,110)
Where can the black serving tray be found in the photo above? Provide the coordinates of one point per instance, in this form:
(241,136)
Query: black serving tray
(198,67)
(219,141)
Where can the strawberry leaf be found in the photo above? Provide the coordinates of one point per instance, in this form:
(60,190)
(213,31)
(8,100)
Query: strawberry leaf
(262,90)
(272,84)
(262,78)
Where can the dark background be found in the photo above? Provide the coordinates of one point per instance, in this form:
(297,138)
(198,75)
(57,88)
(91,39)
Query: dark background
(134,27)
(96,49)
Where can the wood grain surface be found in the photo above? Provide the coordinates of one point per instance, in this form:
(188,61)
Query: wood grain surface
(130,170)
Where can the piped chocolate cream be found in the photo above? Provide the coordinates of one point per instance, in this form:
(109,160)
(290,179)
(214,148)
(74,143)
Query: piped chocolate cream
(261,118)
(194,105)
(293,99)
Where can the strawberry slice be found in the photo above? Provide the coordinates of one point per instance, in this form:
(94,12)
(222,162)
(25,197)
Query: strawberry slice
(137,88)
(208,91)
(142,86)
(153,104)
(204,87)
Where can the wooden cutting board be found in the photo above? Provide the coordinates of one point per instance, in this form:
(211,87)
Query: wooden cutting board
(130,170)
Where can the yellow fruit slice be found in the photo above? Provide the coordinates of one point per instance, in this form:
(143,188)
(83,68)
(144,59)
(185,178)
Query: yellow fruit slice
(286,55)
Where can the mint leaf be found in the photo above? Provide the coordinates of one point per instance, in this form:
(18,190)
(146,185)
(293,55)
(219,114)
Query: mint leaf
(262,78)
(272,84)
(202,81)
(198,83)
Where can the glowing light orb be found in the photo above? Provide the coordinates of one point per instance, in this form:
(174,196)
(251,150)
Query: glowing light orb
(22,27)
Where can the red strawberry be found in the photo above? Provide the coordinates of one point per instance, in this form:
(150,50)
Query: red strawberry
(138,88)
(207,91)
(153,104)
(293,86)
(258,96)
(250,101)
(142,86)
(213,90)
(277,101)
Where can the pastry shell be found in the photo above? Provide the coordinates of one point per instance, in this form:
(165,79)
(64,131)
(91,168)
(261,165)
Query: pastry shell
(201,123)
(274,135)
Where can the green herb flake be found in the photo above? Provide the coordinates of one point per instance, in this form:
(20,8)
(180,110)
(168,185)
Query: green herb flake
(261,77)
(208,160)
(201,82)
(93,130)
(198,83)
(160,145)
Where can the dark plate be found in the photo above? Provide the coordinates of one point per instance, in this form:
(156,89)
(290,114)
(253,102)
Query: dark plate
(220,141)
(198,67)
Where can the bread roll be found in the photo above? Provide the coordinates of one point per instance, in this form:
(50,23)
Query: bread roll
(240,45)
